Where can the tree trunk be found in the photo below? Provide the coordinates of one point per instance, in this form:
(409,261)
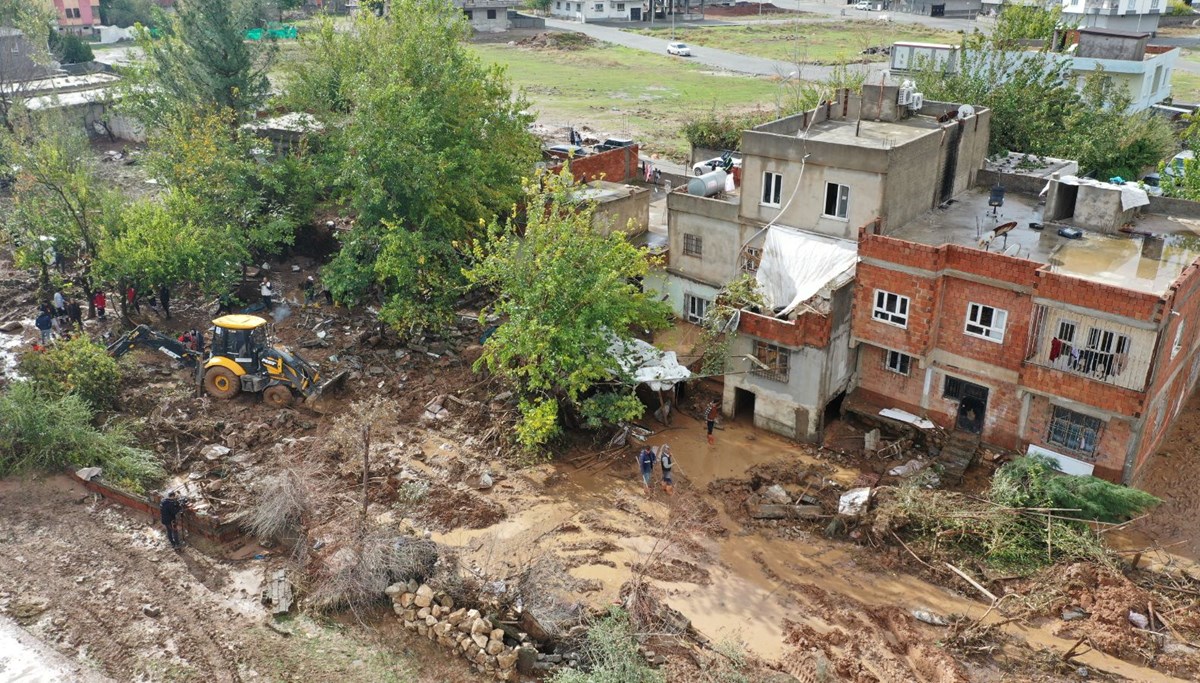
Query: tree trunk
(366,473)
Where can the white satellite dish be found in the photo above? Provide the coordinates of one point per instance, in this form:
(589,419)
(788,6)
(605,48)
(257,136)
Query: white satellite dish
(966,111)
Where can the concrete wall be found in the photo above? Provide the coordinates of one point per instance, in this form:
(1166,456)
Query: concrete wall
(630,213)
(594,9)
(1116,22)
(722,235)
(1108,46)
(1179,208)
(481,21)
(518,20)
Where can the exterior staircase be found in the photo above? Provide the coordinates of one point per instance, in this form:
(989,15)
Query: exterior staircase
(957,455)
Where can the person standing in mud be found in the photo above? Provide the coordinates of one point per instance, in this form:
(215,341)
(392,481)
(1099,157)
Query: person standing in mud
(710,419)
(666,462)
(268,295)
(646,462)
(169,510)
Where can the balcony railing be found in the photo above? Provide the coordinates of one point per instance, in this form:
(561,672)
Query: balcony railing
(1098,349)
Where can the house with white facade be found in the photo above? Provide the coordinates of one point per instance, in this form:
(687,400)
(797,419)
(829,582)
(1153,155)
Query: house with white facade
(1122,15)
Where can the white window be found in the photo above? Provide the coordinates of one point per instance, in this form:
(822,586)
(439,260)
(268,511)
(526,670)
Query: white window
(986,322)
(891,308)
(751,258)
(837,200)
(599,7)
(1178,340)
(772,189)
(899,363)
(693,245)
(620,7)
(697,308)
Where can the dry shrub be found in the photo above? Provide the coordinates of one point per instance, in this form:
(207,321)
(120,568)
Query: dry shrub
(355,577)
(286,502)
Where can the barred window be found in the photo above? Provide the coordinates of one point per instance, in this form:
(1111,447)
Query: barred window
(776,358)
(693,245)
(1075,431)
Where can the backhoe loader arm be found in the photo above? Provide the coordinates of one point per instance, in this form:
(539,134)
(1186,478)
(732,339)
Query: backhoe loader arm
(143,335)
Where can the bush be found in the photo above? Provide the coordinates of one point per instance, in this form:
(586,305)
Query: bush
(77,366)
(722,131)
(1179,9)
(73,50)
(1034,481)
(610,652)
(42,432)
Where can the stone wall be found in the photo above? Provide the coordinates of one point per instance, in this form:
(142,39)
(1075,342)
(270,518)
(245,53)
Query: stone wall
(465,632)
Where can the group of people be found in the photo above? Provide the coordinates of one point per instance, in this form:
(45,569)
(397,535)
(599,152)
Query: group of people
(649,455)
(58,318)
(133,300)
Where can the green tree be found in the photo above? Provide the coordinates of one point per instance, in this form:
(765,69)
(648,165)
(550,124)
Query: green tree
(202,62)
(58,201)
(542,6)
(1018,23)
(126,13)
(73,50)
(216,164)
(433,144)
(565,293)
(160,241)
(78,366)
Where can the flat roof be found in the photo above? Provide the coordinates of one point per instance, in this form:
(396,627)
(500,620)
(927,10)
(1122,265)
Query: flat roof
(1117,259)
(604,191)
(870,133)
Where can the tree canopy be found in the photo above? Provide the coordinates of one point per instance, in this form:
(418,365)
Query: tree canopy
(432,146)
(565,293)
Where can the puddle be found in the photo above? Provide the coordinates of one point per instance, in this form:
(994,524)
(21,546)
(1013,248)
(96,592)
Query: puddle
(243,590)
(26,659)
(1142,263)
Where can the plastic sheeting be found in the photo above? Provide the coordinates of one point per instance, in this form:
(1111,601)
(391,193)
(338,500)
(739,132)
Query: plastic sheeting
(796,265)
(648,364)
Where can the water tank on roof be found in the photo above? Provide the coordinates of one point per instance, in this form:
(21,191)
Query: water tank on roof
(708,184)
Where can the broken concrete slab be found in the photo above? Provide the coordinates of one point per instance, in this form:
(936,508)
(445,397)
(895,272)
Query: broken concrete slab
(777,511)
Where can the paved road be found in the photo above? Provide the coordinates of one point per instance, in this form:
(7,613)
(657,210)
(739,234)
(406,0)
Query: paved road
(721,59)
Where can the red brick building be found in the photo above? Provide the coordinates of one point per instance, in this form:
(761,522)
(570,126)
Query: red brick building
(1084,349)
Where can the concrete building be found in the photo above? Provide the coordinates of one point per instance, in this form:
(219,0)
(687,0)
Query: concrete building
(956,9)
(17,63)
(807,181)
(1078,345)
(1121,15)
(77,16)
(487,16)
(1144,70)
(619,207)
(598,9)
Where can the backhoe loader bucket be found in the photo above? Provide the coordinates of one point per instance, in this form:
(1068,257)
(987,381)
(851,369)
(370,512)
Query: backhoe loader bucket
(332,385)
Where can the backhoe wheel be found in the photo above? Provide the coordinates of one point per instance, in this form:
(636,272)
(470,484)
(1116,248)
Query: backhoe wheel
(221,383)
(278,396)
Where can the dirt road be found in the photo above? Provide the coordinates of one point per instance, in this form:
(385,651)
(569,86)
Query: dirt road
(104,590)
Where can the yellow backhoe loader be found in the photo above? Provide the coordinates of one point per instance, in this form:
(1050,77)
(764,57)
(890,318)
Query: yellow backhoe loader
(241,358)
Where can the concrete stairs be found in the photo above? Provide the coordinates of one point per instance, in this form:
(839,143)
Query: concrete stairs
(957,455)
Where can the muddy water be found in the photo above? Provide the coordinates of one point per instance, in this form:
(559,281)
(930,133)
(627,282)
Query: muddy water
(755,583)
(9,345)
(24,658)
(1123,261)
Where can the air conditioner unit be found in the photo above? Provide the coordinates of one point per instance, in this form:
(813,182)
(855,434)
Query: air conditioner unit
(905,97)
(918,100)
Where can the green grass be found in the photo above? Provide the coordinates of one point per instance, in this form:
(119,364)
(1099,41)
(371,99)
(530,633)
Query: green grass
(807,42)
(617,90)
(1185,86)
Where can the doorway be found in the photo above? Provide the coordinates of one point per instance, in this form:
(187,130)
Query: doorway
(743,404)
(972,408)
(635,13)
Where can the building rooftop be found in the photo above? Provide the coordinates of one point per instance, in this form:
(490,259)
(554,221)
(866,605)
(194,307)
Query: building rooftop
(870,133)
(601,191)
(1148,261)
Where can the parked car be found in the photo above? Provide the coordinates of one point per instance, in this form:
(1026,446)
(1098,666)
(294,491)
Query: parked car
(679,49)
(1176,167)
(566,151)
(713,164)
(1152,184)
(863,5)
(614,143)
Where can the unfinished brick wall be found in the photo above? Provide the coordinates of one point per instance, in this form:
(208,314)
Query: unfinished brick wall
(912,339)
(892,388)
(808,329)
(1098,296)
(616,166)
(1109,459)
(955,300)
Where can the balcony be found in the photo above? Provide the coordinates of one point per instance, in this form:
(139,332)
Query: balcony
(1099,350)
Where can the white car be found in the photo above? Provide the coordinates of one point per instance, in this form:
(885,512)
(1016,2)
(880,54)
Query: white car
(712,165)
(863,5)
(680,49)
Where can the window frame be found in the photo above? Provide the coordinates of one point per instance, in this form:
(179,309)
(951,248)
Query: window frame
(880,313)
(772,189)
(777,358)
(1059,431)
(897,362)
(975,317)
(1178,345)
(841,202)
(693,245)
(688,300)
(491,14)
(751,260)
(470,14)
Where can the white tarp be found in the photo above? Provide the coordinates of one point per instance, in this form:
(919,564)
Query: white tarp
(1066,464)
(905,416)
(796,265)
(1132,196)
(649,364)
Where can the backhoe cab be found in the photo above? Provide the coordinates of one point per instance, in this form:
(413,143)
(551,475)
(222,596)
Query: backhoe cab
(241,358)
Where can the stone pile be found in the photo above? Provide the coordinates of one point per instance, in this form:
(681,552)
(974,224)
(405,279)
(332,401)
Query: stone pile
(466,632)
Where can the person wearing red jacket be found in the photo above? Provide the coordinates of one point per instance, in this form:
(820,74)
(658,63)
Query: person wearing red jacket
(100,302)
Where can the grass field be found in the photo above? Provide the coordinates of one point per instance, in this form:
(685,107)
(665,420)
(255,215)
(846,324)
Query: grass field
(807,42)
(1185,86)
(617,90)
